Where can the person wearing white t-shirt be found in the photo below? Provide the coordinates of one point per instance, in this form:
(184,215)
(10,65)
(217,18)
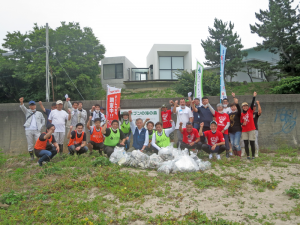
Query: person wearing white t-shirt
(184,115)
(226,109)
(58,117)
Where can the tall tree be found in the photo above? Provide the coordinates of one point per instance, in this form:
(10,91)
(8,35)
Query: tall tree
(223,33)
(73,50)
(280,28)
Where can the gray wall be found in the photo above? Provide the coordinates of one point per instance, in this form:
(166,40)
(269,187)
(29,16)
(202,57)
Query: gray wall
(278,123)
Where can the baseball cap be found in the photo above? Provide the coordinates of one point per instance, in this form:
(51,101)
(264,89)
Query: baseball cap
(59,102)
(244,103)
(186,100)
(102,108)
(164,106)
(214,122)
(31,102)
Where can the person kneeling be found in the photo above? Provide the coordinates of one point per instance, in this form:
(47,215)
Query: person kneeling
(77,141)
(190,137)
(113,137)
(46,147)
(161,137)
(215,140)
(96,138)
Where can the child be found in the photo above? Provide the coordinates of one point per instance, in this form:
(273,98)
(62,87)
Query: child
(96,113)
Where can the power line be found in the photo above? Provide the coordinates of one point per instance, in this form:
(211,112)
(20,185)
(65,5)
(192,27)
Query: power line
(69,77)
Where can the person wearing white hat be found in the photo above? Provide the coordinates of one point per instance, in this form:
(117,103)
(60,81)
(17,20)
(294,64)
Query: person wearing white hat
(58,117)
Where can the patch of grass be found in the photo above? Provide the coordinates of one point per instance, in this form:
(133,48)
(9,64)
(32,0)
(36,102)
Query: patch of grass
(293,192)
(263,184)
(262,88)
(3,158)
(11,198)
(148,94)
(101,161)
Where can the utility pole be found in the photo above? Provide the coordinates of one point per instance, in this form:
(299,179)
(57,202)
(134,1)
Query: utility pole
(47,65)
(52,84)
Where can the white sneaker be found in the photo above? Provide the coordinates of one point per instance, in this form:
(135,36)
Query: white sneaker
(230,153)
(218,157)
(210,156)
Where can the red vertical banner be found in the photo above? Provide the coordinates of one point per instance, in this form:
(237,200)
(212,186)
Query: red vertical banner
(112,104)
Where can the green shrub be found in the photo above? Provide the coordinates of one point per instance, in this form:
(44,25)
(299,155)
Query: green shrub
(11,198)
(289,85)
(293,193)
(2,158)
(101,161)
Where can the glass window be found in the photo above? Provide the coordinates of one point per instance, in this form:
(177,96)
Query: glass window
(177,63)
(165,62)
(165,74)
(112,71)
(143,76)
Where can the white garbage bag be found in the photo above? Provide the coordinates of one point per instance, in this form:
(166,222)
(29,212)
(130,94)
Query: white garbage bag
(184,164)
(166,153)
(177,153)
(118,154)
(139,159)
(207,165)
(165,167)
(185,151)
(155,161)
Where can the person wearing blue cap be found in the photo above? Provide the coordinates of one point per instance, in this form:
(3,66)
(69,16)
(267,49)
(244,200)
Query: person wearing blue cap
(34,122)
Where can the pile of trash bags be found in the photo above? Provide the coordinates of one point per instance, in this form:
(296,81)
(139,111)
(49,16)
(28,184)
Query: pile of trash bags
(168,160)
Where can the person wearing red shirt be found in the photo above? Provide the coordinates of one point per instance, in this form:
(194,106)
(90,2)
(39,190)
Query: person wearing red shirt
(223,122)
(248,127)
(215,140)
(166,116)
(190,137)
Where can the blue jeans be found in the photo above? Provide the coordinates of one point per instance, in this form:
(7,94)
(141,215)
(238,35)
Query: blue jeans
(127,142)
(196,126)
(226,141)
(235,140)
(45,155)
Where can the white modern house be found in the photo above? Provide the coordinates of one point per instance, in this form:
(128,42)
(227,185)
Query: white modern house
(163,61)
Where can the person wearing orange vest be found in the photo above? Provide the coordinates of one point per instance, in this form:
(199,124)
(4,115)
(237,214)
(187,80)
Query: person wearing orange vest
(77,141)
(96,136)
(46,146)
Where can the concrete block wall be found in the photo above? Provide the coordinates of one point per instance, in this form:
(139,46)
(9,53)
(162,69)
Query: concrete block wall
(277,124)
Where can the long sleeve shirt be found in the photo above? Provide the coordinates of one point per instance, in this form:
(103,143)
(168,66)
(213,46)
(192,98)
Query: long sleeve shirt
(167,132)
(133,126)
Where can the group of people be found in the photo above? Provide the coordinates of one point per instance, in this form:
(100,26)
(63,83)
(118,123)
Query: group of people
(198,127)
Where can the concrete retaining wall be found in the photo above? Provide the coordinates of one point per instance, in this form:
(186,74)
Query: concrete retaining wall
(277,124)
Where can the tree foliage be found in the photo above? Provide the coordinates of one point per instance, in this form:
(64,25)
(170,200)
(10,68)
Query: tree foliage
(72,48)
(186,80)
(223,33)
(289,85)
(279,26)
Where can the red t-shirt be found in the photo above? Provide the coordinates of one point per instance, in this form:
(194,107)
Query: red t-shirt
(213,138)
(189,137)
(248,118)
(222,119)
(166,117)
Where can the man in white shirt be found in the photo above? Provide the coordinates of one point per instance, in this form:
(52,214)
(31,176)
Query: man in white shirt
(58,117)
(78,114)
(140,134)
(184,115)
(33,124)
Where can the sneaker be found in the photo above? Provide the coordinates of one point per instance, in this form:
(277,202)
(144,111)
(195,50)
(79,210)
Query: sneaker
(218,157)
(253,157)
(227,154)
(249,158)
(230,153)
(210,156)
(39,163)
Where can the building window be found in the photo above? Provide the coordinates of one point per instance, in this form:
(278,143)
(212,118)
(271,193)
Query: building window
(168,66)
(113,71)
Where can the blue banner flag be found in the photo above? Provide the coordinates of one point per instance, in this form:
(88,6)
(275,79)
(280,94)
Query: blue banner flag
(223,94)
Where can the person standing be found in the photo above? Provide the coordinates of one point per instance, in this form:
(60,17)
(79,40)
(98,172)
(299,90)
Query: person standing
(166,116)
(161,137)
(184,115)
(77,142)
(113,137)
(196,121)
(82,115)
(226,109)
(256,115)
(140,134)
(74,114)
(248,127)
(96,136)
(125,127)
(205,116)
(96,113)
(223,122)
(46,147)
(215,140)
(58,117)
(190,137)
(47,111)
(235,129)
(34,121)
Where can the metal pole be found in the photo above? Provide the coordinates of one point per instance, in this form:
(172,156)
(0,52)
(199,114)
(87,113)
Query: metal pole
(52,84)
(47,64)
